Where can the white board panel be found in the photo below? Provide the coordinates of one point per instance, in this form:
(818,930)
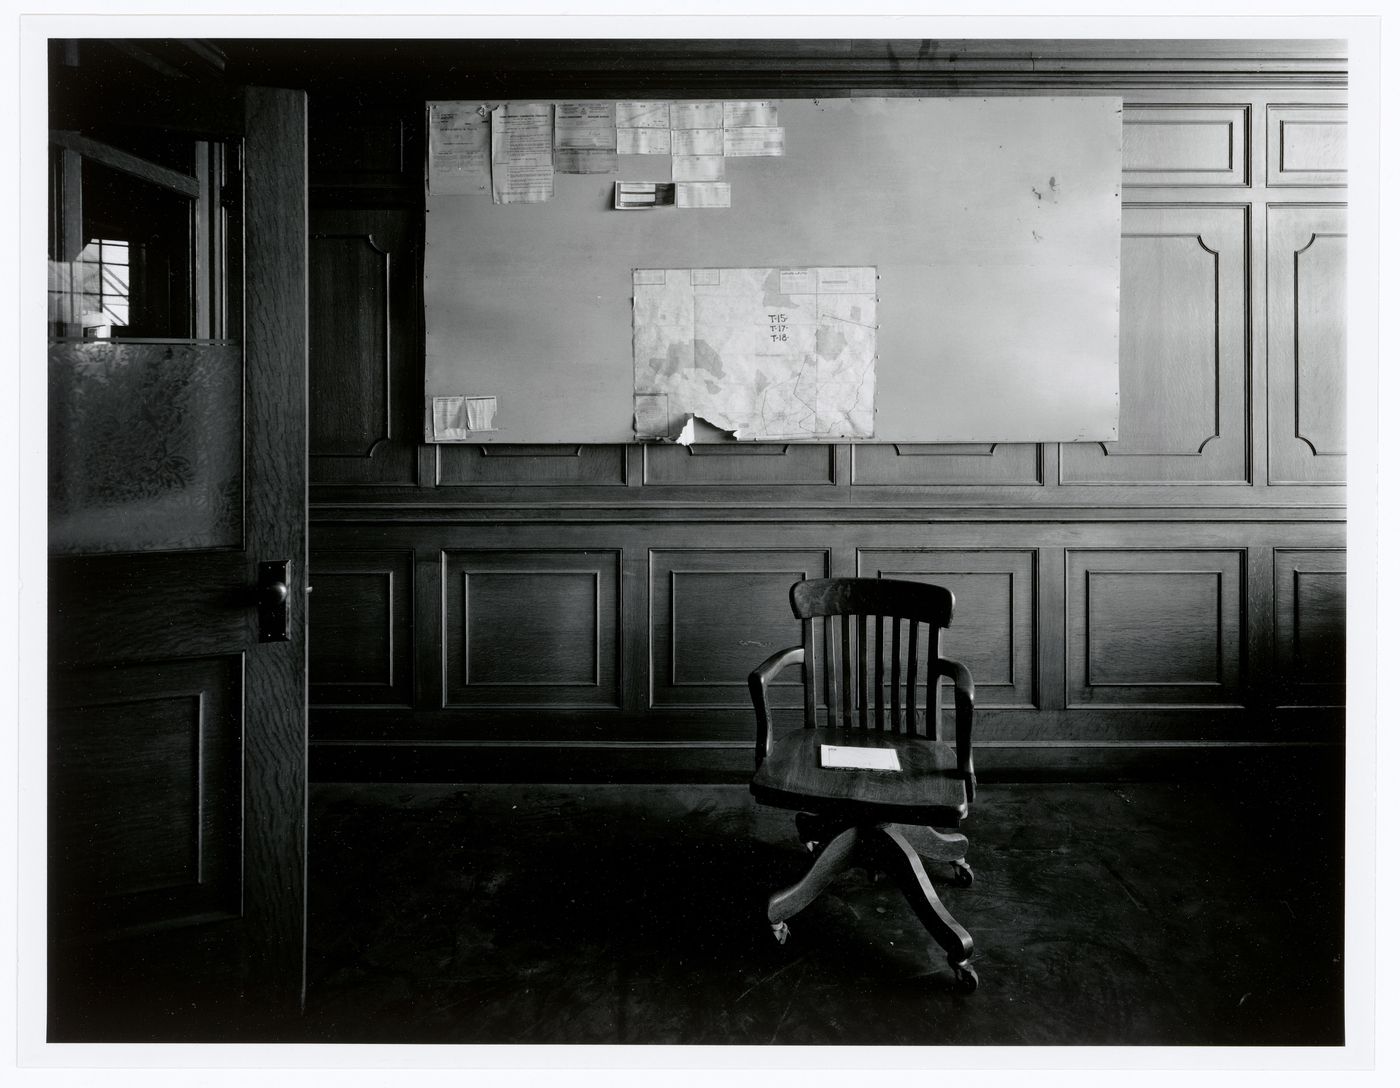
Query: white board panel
(993,223)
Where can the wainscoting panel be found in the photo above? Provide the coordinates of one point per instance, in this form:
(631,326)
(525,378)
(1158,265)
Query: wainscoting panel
(989,463)
(1307,343)
(361,147)
(1310,626)
(363,273)
(531,466)
(716,615)
(1186,145)
(994,617)
(362,612)
(1307,146)
(1153,628)
(739,464)
(1182,375)
(531,628)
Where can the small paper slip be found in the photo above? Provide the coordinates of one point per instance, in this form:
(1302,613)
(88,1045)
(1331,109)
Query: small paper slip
(862,759)
(643,194)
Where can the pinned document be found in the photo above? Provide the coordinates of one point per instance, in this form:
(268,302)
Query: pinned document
(456,418)
(644,115)
(522,153)
(702,194)
(752,113)
(697,115)
(582,125)
(643,141)
(752,142)
(459,148)
(633,195)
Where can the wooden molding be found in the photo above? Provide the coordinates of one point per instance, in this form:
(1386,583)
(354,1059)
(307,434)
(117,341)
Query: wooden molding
(485,68)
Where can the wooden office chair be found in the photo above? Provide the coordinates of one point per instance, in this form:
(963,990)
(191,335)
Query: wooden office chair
(884,820)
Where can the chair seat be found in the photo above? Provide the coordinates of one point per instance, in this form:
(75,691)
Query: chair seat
(927,789)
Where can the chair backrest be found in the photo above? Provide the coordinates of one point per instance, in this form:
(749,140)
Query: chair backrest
(875,657)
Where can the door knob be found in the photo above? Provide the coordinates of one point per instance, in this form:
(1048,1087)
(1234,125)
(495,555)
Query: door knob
(272,601)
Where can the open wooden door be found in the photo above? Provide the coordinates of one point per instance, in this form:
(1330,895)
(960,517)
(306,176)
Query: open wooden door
(177,540)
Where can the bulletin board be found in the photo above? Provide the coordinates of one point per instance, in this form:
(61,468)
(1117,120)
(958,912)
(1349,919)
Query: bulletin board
(992,226)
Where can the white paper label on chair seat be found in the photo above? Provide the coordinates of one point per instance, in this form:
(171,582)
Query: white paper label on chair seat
(863,759)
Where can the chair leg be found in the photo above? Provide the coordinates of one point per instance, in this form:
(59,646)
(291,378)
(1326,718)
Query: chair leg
(904,863)
(934,845)
(830,862)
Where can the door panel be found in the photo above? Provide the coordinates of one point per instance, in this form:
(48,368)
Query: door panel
(144,775)
(176,737)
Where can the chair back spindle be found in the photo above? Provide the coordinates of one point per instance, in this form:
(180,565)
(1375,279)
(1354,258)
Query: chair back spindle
(847,610)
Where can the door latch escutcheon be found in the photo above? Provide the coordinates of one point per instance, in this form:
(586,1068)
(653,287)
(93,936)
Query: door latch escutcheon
(272,601)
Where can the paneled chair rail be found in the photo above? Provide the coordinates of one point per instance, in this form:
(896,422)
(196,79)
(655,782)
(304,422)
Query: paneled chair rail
(882,820)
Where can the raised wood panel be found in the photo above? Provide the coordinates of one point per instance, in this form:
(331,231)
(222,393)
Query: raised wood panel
(1320,341)
(350,363)
(1307,146)
(1307,343)
(363,346)
(1183,363)
(989,463)
(716,615)
(1310,625)
(746,463)
(531,628)
(1185,145)
(361,615)
(145,795)
(359,147)
(527,466)
(993,628)
(1153,628)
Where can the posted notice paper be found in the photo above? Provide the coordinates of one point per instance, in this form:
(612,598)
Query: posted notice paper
(522,153)
(644,115)
(749,142)
(643,141)
(585,125)
(585,138)
(702,194)
(750,114)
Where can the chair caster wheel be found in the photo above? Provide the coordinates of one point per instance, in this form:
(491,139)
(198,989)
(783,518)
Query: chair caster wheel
(962,874)
(780,931)
(965,979)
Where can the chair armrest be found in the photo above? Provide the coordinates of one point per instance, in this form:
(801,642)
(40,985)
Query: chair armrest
(964,696)
(759,680)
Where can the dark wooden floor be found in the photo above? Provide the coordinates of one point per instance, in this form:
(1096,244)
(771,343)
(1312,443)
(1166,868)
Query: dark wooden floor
(1102,914)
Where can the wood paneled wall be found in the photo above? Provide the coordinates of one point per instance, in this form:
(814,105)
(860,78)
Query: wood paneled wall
(592,611)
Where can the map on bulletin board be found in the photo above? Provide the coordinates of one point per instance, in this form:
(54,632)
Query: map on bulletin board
(764,353)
